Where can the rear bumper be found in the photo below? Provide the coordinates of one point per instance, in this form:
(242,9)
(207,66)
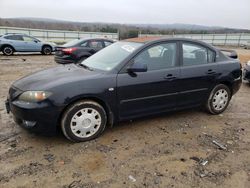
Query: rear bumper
(64,60)
(38,118)
(236,85)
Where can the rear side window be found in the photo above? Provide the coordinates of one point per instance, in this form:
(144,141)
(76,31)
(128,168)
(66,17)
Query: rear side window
(84,44)
(194,54)
(14,37)
(158,57)
(95,44)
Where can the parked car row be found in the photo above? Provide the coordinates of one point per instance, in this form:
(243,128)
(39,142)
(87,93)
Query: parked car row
(125,80)
(72,52)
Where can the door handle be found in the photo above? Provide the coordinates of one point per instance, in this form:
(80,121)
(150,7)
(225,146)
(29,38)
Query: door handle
(210,71)
(170,77)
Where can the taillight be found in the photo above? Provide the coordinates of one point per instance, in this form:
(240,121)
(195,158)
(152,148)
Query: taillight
(68,50)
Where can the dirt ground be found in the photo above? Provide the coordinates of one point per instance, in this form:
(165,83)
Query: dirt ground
(171,150)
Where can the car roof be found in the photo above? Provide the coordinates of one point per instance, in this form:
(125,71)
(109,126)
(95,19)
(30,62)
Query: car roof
(142,39)
(16,34)
(155,39)
(86,39)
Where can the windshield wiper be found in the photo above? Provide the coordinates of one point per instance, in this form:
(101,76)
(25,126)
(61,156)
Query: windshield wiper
(85,66)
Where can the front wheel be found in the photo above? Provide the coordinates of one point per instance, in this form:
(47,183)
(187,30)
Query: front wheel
(46,50)
(219,99)
(83,121)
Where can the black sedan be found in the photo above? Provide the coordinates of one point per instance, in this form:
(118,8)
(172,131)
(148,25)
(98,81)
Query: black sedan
(124,81)
(78,50)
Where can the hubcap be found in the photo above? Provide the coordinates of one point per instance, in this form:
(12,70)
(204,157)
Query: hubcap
(220,99)
(47,51)
(7,50)
(85,123)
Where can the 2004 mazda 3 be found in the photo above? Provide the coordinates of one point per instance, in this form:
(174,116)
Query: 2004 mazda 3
(124,81)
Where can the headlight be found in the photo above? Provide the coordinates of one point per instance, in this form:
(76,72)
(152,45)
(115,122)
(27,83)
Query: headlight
(34,96)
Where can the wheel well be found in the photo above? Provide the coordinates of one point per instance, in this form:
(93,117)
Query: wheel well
(46,45)
(7,45)
(229,85)
(108,111)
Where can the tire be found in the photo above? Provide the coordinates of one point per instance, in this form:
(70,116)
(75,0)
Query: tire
(82,59)
(219,99)
(8,50)
(83,121)
(46,50)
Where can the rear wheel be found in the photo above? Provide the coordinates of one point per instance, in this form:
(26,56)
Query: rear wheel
(219,99)
(46,50)
(83,121)
(8,50)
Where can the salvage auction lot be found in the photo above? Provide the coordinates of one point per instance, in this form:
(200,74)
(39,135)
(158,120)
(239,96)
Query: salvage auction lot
(163,151)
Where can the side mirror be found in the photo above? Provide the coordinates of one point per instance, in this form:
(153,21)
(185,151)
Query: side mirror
(137,67)
(36,41)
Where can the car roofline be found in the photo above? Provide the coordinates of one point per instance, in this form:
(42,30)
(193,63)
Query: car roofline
(163,39)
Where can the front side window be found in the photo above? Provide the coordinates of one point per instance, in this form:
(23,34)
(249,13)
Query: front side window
(161,56)
(107,43)
(28,39)
(196,54)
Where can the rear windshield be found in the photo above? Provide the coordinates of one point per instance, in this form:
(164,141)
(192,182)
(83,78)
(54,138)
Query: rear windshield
(73,43)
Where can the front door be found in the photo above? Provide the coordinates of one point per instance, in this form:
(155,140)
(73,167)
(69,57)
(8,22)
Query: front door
(153,91)
(31,44)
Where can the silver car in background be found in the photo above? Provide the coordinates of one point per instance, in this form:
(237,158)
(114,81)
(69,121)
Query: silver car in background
(13,42)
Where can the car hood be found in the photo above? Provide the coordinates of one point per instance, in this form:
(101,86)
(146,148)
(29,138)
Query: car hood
(54,77)
(49,43)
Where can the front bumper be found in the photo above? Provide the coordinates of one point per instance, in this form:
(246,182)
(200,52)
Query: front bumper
(39,118)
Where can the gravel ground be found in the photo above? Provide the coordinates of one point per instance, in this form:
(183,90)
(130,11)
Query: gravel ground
(171,150)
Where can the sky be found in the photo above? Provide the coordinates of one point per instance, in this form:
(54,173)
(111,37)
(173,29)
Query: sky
(225,13)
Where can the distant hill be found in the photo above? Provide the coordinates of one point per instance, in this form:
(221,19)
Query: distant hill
(125,30)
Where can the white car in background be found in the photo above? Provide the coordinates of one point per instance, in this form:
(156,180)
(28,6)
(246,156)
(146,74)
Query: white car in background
(13,42)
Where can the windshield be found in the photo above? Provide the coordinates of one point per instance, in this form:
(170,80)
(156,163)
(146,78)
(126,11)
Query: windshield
(111,56)
(72,43)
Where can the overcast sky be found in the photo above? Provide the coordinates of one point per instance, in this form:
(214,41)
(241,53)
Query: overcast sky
(227,13)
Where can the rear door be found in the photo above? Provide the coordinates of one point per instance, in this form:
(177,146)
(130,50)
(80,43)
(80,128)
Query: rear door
(16,41)
(198,74)
(153,91)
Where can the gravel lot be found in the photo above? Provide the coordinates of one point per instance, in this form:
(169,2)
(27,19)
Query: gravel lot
(163,151)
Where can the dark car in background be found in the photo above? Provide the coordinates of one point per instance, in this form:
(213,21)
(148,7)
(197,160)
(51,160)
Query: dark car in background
(124,81)
(77,50)
(14,42)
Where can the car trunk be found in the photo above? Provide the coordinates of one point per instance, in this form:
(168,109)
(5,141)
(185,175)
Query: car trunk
(58,51)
